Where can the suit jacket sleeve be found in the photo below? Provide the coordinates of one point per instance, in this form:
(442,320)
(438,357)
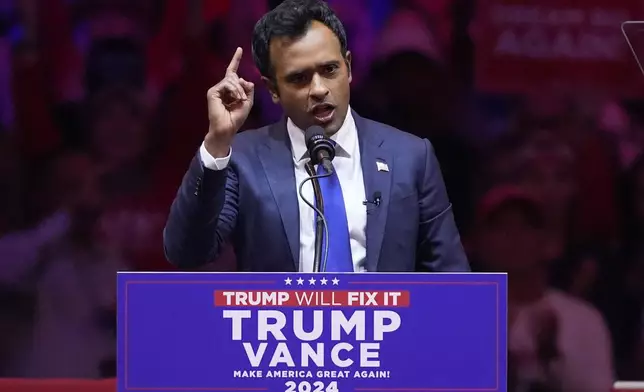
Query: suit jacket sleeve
(439,243)
(202,216)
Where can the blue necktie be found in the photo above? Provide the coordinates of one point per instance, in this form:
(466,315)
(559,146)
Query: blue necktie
(339,257)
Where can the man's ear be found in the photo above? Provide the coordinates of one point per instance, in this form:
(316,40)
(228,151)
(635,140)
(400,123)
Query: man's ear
(347,60)
(272,88)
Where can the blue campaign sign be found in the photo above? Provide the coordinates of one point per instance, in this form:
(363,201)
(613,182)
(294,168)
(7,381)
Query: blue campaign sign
(312,332)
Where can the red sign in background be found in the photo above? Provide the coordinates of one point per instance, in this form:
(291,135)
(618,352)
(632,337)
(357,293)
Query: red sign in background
(523,45)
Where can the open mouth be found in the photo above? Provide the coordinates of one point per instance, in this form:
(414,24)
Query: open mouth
(323,113)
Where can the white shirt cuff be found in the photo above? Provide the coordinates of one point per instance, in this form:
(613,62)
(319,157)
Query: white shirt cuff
(211,162)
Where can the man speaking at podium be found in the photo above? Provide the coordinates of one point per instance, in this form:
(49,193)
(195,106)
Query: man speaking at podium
(384,200)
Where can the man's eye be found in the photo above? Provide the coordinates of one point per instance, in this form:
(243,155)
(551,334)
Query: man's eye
(330,69)
(299,78)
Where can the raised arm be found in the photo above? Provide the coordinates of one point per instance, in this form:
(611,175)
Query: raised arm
(205,209)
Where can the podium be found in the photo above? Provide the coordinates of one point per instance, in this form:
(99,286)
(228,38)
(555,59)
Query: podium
(300,332)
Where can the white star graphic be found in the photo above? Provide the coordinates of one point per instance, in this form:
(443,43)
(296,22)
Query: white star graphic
(300,281)
(335,281)
(323,281)
(288,281)
(312,281)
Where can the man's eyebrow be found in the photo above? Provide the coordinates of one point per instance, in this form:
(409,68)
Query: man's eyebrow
(298,72)
(331,62)
(295,75)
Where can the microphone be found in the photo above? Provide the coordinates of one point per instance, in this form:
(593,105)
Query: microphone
(321,149)
(377,196)
(321,228)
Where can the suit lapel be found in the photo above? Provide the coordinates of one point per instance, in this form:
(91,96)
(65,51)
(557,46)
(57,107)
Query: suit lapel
(377,169)
(277,160)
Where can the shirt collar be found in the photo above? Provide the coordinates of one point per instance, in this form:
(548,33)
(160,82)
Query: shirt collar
(345,138)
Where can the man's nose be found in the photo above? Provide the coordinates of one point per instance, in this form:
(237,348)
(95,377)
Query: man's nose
(319,91)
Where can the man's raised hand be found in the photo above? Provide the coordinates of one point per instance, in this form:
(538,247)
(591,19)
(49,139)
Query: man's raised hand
(229,104)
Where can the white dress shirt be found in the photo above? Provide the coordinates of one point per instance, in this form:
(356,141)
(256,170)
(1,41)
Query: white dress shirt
(349,170)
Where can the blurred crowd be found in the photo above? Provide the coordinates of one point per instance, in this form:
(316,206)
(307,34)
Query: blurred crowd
(102,106)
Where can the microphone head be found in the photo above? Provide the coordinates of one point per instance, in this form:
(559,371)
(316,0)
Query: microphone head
(317,142)
(315,131)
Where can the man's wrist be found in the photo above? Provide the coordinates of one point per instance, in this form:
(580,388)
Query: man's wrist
(217,149)
(212,163)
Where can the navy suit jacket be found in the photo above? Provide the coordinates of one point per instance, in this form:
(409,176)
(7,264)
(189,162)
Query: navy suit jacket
(253,204)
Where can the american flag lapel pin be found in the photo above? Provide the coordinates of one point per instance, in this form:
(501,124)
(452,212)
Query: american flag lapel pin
(382,166)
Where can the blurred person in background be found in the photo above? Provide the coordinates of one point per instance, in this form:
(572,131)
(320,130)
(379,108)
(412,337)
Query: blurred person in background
(437,16)
(557,343)
(548,165)
(623,296)
(72,50)
(547,169)
(498,163)
(61,274)
(406,44)
(571,118)
(122,145)
(614,120)
(68,35)
(119,134)
(410,87)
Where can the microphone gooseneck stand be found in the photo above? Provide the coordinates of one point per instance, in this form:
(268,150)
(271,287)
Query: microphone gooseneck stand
(319,221)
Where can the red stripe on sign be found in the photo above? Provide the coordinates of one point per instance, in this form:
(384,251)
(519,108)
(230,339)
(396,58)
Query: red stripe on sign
(311,298)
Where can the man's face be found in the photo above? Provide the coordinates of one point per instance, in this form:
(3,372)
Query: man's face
(312,78)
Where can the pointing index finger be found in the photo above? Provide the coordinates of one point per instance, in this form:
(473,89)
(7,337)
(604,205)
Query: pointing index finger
(234,63)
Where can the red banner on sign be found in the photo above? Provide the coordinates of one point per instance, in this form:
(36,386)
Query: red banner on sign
(523,45)
(311,298)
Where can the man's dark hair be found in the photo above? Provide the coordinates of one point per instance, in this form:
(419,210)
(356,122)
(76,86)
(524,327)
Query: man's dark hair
(292,19)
